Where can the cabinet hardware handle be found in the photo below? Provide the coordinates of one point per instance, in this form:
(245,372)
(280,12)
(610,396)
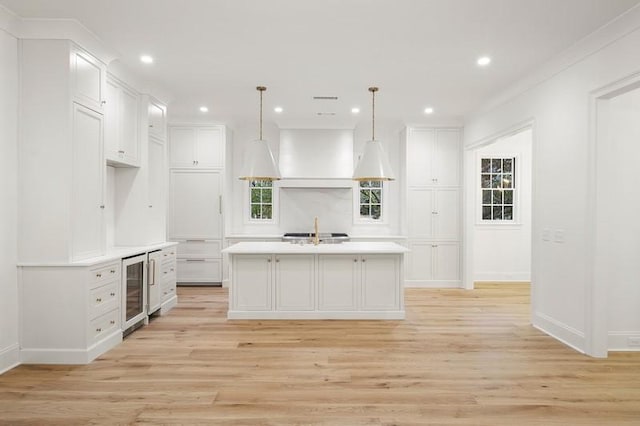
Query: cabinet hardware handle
(98,275)
(120,152)
(113,271)
(171,269)
(150,284)
(112,294)
(102,206)
(364,260)
(197,162)
(150,206)
(112,322)
(103,102)
(98,300)
(269,260)
(150,125)
(195,241)
(355,260)
(194,162)
(172,253)
(194,260)
(277,260)
(98,330)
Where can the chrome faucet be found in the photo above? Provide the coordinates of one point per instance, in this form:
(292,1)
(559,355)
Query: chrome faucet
(316,237)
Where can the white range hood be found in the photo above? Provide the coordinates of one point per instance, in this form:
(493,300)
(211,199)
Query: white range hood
(316,158)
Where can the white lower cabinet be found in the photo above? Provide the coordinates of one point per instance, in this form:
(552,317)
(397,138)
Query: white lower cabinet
(71,314)
(295,282)
(199,270)
(434,264)
(252,283)
(316,286)
(167,280)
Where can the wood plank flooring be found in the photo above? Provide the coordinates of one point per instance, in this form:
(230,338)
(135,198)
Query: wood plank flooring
(460,358)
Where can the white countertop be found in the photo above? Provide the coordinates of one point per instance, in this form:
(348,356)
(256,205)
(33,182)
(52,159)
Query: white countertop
(113,253)
(369,247)
(279,237)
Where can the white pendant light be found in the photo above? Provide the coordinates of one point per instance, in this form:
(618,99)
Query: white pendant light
(374,164)
(259,163)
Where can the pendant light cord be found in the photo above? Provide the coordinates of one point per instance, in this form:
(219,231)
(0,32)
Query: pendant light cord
(260,114)
(373,91)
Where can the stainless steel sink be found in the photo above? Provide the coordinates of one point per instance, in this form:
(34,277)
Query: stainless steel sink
(307,237)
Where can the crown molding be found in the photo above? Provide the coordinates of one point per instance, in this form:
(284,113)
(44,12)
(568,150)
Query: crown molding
(609,33)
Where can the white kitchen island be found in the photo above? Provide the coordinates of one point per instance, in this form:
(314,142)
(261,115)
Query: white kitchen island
(282,280)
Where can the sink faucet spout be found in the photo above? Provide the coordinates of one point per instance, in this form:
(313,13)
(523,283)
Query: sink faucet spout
(316,237)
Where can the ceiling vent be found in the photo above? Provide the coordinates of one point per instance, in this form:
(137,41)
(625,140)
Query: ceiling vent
(325,98)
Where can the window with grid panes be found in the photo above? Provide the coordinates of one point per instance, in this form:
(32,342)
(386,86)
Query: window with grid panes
(497,182)
(261,201)
(370,199)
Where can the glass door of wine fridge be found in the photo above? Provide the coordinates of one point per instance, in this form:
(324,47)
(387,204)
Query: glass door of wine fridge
(134,291)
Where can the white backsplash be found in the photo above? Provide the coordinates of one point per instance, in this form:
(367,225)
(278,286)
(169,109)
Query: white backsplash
(332,206)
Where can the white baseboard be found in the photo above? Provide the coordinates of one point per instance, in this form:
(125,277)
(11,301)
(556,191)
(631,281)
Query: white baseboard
(168,305)
(502,276)
(618,341)
(314,315)
(432,284)
(225,283)
(9,358)
(70,356)
(560,331)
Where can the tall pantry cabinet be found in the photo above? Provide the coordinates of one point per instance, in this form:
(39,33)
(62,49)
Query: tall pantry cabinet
(61,154)
(433,205)
(195,216)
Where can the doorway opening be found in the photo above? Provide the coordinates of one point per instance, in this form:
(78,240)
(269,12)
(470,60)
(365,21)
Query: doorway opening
(499,210)
(614,313)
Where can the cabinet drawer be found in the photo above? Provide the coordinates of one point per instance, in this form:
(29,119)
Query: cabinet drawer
(104,325)
(199,270)
(168,271)
(169,253)
(103,274)
(168,289)
(104,298)
(199,248)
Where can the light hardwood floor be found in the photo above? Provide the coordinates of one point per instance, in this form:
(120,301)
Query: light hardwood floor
(460,358)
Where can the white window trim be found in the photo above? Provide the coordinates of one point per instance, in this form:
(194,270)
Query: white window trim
(384,216)
(246,205)
(517,220)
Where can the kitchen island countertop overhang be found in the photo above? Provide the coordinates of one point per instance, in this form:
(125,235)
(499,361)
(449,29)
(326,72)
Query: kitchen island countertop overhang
(350,280)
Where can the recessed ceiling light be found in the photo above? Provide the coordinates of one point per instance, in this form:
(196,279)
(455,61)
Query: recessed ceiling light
(355,110)
(146,59)
(204,109)
(483,61)
(278,109)
(428,110)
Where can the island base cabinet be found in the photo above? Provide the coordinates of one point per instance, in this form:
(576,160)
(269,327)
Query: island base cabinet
(295,282)
(316,286)
(338,282)
(252,283)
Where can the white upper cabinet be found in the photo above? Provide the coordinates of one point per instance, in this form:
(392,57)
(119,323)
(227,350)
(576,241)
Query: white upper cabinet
(433,157)
(197,147)
(88,80)
(156,191)
(157,120)
(88,171)
(122,142)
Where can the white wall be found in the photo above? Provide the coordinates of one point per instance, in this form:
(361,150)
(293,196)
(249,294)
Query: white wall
(331,200)
(502,252)
(8,194)
(619,223)
(559,105)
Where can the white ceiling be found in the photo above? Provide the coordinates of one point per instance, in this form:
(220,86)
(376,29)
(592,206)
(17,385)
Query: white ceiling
(419,52)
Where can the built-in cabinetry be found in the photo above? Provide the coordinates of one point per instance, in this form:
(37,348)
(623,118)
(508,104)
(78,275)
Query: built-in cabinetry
(316,286)
(433,205)
(195,214)
(70,315)
(122,142)
(61,163)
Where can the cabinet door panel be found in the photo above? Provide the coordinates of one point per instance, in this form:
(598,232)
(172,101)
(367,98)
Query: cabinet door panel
(88,170)
(182,147)
(420,147)
(338,282)
(380,278)
(111,119)
(157,120)
(251,289)
(157,200)
(195,205)
(420,261)
(295,286)
(199,270)
(421,213)
(88,80)
(447,266)
(448,218)
(129,126)
(209,144)
(447,157)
